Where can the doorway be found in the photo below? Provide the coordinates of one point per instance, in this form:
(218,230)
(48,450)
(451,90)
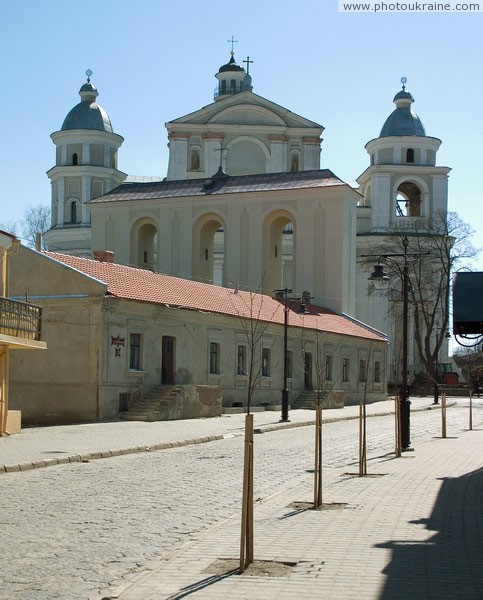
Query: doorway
(167,360)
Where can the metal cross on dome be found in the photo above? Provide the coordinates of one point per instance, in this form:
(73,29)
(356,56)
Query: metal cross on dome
(232,42)
(88,73)
(248,63)
(403,81)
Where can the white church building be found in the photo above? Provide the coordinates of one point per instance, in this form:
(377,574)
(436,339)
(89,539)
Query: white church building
(245,203)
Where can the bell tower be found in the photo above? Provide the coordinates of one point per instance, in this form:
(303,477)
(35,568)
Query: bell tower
(85,168)
(403,181)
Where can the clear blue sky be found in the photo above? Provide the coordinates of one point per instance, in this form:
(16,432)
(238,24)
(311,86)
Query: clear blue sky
(154,60)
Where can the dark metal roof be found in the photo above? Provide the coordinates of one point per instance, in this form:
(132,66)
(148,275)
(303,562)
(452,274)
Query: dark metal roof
(216,186)
(232,65)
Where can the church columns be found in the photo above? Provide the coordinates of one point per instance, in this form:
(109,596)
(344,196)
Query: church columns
(60,200)
(85,197)
(311,150)
(278,153)
(86,153)
(178,155)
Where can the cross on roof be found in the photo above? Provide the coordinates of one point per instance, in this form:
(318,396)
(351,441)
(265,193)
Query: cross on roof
(403,81)
(248,63)
(220,150)
(232,41)
(88,73)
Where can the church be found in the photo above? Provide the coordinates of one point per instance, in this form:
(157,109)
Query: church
(245,204)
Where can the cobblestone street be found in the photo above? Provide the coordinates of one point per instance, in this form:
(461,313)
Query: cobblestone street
(84,526)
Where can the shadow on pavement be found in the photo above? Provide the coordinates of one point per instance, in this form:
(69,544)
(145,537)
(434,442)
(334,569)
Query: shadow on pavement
(449,564)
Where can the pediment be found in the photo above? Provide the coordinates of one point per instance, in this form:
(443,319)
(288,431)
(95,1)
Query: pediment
(245,108)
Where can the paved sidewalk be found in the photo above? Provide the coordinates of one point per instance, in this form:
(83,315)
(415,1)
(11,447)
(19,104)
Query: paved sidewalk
(48,446)
(412,529)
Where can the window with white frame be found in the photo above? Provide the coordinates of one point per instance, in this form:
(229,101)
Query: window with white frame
(377,371)
(241,360)
(135,340)
(266,362)
(345,370)
(328,367)
(214,358)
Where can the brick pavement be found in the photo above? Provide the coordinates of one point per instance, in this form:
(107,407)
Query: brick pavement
(411,529)
(47,446)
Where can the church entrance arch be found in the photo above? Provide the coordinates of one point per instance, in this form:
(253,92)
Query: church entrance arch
(144,244)
(278,266)
(209,249)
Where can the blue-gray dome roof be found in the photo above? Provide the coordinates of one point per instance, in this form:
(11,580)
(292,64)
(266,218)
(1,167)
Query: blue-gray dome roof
(88,114)
(403,121)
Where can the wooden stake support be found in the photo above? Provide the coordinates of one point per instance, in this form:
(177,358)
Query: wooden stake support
(362,439)
(246,538)
(443,415)
(318,458)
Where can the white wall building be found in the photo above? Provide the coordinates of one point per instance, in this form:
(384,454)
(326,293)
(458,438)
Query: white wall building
(245,203)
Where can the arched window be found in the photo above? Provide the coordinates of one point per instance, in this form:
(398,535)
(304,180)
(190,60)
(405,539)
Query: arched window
(408,200)
(278,251)
(75,159)
(209,245)
(144,245)
(73,212)
(410,155)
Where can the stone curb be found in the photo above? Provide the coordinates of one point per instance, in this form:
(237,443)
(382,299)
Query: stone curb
(84,458)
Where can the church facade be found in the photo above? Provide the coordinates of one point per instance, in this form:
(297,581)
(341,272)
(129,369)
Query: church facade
(245,203)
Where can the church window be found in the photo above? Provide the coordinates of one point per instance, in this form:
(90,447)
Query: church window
(410,155)
(233,86)
(75,159)
(73,212)
(223,86)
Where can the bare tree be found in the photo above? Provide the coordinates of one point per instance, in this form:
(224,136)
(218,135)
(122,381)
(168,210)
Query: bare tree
(255,319)
(10,227)
(443,243)
(36,221)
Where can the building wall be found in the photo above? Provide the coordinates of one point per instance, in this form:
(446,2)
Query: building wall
(86,373)
(324,223)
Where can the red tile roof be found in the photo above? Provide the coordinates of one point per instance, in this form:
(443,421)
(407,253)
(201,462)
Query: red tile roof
(145,286)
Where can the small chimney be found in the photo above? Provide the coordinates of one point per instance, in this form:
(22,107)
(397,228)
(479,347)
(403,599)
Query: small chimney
(104,255)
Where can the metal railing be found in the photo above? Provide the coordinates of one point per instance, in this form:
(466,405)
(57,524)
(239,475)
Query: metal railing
(20,319)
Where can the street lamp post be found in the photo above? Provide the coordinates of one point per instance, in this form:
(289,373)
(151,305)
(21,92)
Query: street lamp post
(379,276)
(283,294)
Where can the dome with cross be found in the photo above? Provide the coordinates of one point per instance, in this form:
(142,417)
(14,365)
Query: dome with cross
(88,114)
